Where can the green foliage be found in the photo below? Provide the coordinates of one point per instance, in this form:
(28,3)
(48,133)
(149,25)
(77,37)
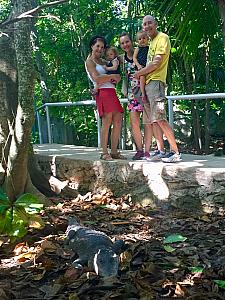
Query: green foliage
(190,27)
(198,269)
(193,27)
(220,283)
(5,6)
(174,238)
(171,239)
(64,46)
(169,249)
(15,217)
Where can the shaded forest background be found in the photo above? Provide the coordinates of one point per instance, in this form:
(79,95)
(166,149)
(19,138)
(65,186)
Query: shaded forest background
(60,44)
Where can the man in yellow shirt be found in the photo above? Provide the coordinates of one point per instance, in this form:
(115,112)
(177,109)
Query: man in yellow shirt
(156,71)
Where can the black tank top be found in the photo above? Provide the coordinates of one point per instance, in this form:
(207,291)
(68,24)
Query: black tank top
(117,71)
(127,58)
(142,55)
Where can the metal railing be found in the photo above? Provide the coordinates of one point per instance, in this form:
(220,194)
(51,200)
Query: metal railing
(46,106)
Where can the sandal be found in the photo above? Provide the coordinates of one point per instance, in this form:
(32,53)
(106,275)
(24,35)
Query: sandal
(118,155)
(106,156)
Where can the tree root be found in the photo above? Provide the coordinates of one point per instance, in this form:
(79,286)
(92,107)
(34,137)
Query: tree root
(49,186)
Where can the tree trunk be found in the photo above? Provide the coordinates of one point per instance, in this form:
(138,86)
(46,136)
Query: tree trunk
(17,112)
(16,106)
(8,98)
(18,153)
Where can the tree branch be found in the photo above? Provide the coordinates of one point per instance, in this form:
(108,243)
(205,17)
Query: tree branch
(32,12)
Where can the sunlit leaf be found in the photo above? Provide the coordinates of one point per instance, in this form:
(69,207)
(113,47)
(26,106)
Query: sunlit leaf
(196,269)
(220,283)
(8,221)
(26,200)
(173,50)
(18,230)
(34,208)
(17,217)
(103,206)
(174,238)
(20,215)
(169,248)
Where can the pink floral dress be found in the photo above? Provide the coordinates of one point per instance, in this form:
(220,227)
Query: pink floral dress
(133,95)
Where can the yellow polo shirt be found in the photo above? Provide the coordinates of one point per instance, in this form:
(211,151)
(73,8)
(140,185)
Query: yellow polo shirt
(159,45)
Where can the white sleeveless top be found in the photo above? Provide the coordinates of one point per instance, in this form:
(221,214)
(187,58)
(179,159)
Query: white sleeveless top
(101,71)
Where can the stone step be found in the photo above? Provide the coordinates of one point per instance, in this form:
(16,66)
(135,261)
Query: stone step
(190,184)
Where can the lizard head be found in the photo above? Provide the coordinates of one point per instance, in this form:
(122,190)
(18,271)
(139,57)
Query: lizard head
(106,263)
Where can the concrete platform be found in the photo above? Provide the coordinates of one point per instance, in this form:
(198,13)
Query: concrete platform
(196,181)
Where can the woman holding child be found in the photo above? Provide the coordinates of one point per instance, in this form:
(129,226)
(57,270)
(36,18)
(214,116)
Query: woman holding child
(108,105)
(136,99)
(133,85)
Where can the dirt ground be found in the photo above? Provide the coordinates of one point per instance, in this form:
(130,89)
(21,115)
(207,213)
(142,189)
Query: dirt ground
(170,254)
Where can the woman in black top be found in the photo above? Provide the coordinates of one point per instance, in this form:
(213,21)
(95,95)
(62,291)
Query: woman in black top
(133,86)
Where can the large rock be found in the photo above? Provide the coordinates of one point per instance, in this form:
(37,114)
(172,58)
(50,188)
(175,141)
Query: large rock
(196,181)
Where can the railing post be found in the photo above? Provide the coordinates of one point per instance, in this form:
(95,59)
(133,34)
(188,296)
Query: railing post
(124,129)
(48,125)
(39,128)
(170,111)
(99,130)
(98,120)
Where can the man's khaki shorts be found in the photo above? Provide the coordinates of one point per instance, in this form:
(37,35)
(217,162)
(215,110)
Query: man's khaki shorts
(154,110)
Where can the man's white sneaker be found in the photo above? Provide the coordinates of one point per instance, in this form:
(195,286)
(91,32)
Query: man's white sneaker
(172,157)
(157,156)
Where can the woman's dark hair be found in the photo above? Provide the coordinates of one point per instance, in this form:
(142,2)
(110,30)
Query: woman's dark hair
(124,33)
(96,38)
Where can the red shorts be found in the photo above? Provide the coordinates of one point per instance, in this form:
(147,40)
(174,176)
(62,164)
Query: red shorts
(107,101)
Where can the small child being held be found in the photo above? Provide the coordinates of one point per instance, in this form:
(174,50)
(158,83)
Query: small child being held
(140,58)
(113,65)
